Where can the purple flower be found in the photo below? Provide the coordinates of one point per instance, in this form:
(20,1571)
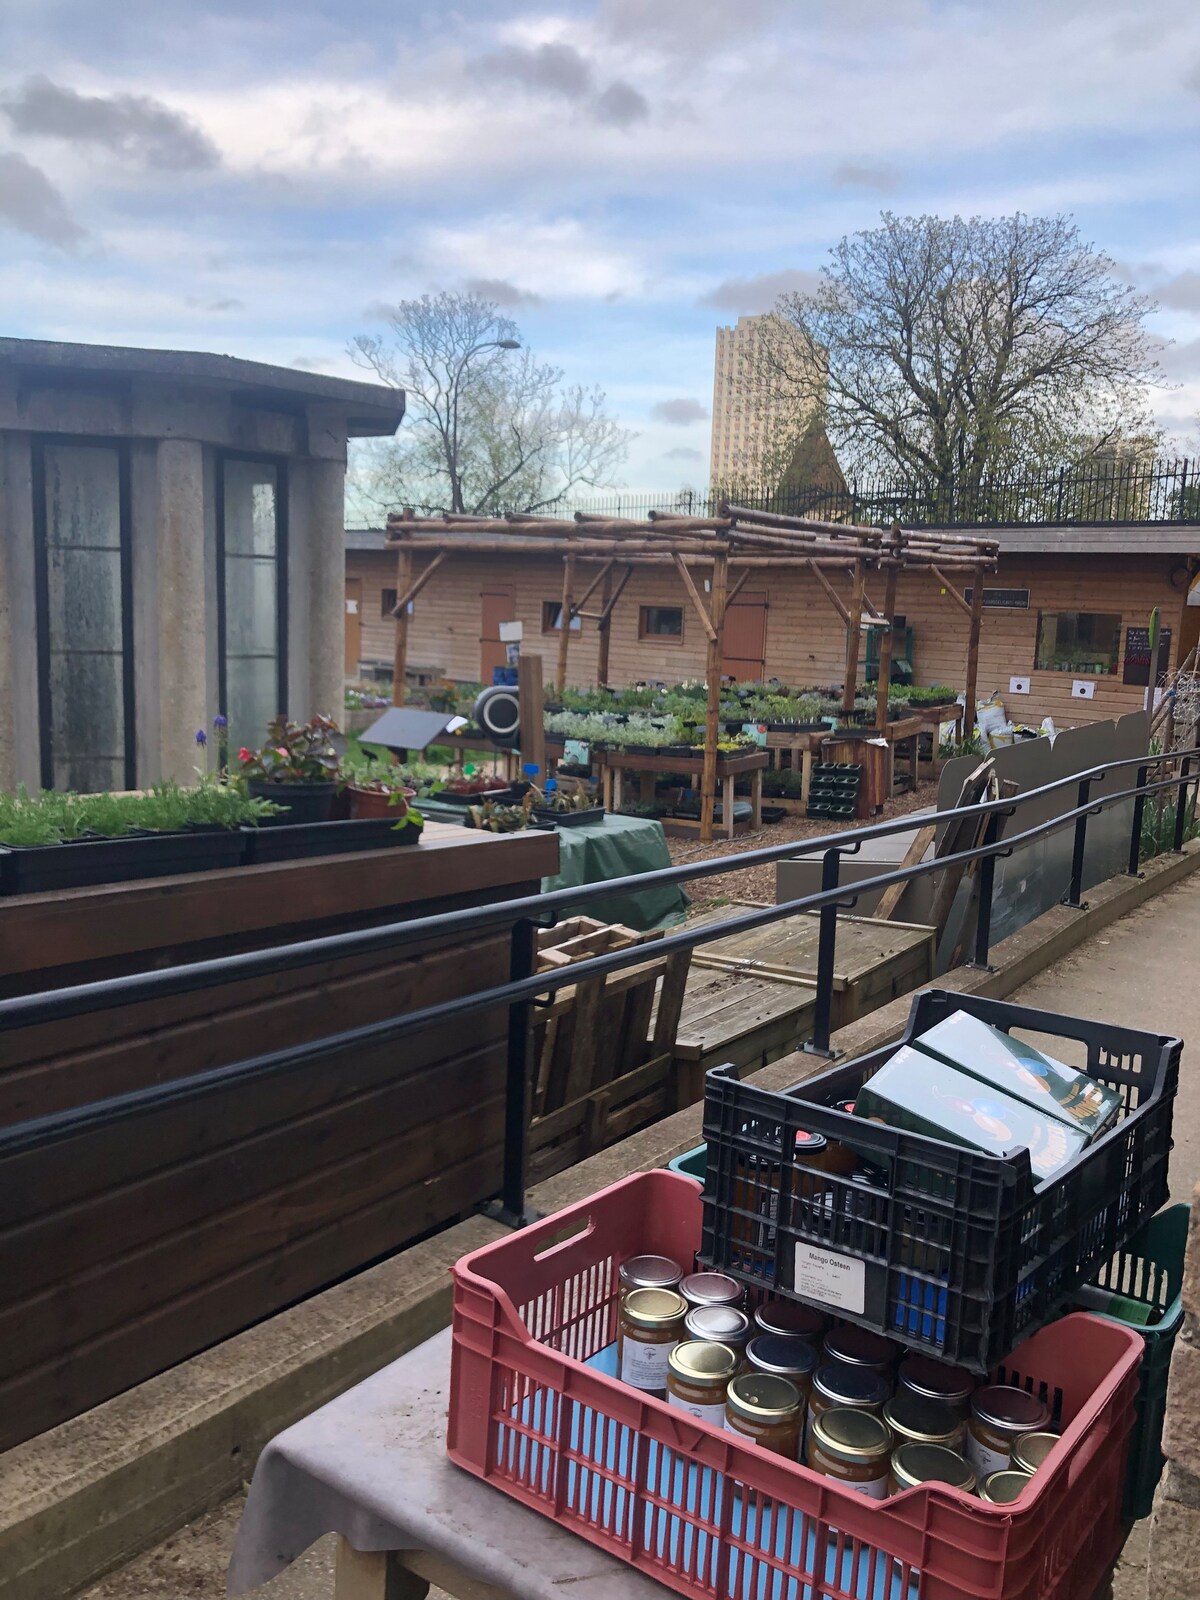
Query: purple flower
(201,736)
(220,722)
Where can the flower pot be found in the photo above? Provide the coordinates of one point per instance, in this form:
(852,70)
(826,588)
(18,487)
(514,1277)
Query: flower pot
(377,803)
(305,802)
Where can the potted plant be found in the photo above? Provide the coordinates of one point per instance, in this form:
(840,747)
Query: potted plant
(296,768)
(562,809)
(376,789)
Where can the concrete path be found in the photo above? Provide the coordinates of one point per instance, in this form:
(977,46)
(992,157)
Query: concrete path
(1143,972)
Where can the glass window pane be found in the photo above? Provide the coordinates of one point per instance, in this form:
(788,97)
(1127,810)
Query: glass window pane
(250,598)
(1080,642)
(83,496)
(251,626)
(84,594)
(250,494)
(87,719)
(252,686)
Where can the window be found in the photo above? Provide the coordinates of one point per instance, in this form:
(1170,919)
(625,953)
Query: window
(387,603)
(1078,641)
(660,622)
(552,618)
(251,594)
(85,615)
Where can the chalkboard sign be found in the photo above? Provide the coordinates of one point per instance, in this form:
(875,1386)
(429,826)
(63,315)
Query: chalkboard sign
(1001,599)
(1137,655)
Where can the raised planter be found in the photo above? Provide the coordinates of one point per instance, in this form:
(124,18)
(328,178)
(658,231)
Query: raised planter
(568,819)
(305,802)
(40,869)
(297,842)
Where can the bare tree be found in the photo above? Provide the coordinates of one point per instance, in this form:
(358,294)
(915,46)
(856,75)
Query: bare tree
(488,427)
(951,351)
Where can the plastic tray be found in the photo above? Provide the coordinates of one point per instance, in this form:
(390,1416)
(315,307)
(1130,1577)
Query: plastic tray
(712,1516)
(951,1251)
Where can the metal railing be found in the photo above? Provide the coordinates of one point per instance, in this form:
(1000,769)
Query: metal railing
(525,984)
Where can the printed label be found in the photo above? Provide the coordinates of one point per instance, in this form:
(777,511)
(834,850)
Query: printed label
(644,1366)
(833,1279)
(984,1459)
(714,1413)
(877,1489)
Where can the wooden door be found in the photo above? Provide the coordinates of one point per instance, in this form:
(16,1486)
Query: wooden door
(496,605)
(354,602)
(746,637)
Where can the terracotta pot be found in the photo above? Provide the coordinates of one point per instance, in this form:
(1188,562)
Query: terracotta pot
(377,803)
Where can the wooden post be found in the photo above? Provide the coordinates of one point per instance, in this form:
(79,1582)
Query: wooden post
(708,786)
(884,680)
(564,622)
(404,566)
(603,628)
(968,727)
(854,637)
(532,732)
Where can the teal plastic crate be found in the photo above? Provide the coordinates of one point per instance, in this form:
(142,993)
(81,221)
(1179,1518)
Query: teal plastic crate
(691,1163)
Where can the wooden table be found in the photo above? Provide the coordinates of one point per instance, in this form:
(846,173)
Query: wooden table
(729,768)
(803,748)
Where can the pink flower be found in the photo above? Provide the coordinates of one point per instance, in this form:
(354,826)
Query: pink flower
(244,754)
(281,752)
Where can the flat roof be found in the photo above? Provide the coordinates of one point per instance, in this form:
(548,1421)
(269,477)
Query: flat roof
(372,409)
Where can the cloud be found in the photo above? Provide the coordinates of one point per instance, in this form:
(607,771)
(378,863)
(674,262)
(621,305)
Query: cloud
(878,176)
(1182,360)
(678,413)
(308,363)
(136,127)
(683,452)
(31,204)
(552,68)
(1192,79)
(502,292)
(226,304)
(1181,293)
(757,294)
(621,105)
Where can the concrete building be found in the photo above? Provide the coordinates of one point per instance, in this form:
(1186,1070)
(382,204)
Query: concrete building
(171,546)
(754,427)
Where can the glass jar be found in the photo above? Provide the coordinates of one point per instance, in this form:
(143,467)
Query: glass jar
(793,1320)
(852,1447)
(698,1374)
(916,1420)
(1031,1449)
(784,1358)
(710,1289)
(1000,1414)
(718,1325)
(1002,1488)
(649,1272)
(834,1385)
(650,1324)
(766,1410)
(934,1380)
(859,1347)
(915,1464)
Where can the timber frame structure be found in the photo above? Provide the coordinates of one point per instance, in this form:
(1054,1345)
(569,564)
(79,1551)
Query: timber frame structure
(725,550)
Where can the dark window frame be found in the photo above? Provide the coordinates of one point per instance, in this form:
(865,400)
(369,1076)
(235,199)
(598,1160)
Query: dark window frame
(387,603)
(645,633)
(549,608)
(42,596)
(1082,669)
(281,572)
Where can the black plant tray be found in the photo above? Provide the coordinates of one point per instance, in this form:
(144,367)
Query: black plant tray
(569,819)
(503,796)
(298,841)
(40,869)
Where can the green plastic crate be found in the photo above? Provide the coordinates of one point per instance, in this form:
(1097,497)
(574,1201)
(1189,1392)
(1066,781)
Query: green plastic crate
(691,1163)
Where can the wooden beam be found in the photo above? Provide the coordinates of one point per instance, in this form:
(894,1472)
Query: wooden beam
(973,653)
(587,594)
(607,610)
(834,597)
(737,588)
(854,638)
(868,604)
(892,895)
(564,622)
(532,696)
(694,597)
(606,605)
(708,791)
(780,519)
(959,600)
(418,583)
(404,569)
(884,681)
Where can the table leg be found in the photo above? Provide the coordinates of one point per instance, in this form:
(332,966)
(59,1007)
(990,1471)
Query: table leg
(646,787)
(618,789)
(806,774)
(756,798)
(374,1575)
(727,806)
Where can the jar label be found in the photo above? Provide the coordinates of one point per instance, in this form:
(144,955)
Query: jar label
(644,1366)
(833,1279)
(877,1489)
(984,1459)
(714,1413)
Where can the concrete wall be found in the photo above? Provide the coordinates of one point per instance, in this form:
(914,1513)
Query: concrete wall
(1175,1524)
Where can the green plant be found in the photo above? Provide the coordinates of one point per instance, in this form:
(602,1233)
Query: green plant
(1158,828)
(295,752)
(496,818)
(556,799)
(783,784)
(972,745)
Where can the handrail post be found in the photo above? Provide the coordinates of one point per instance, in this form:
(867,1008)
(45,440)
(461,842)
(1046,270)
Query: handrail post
(826,950)
(1181,802)
(1134,868)
(987,881)
(1072,897)
(522,962)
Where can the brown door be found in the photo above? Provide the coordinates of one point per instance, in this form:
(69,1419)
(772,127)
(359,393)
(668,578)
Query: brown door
(1189,634)
(746,638)
(354,598)
(495,606)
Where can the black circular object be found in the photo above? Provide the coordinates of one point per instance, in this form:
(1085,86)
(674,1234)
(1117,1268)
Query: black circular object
(498,713)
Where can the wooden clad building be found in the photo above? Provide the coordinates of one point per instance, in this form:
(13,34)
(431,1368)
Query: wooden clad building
(1066,607)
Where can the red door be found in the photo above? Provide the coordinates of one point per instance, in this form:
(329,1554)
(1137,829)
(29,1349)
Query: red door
(495,606)
(746,638)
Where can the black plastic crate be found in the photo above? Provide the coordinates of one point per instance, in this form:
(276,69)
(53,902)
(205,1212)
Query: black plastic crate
(948,1250)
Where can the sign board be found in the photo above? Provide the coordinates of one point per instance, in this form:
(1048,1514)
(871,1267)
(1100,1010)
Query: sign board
(511,632)
(1001,599)
(1137,655)
(576,753)
(758,734)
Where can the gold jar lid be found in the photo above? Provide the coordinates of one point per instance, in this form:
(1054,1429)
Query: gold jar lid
(761,1398)
(934,1380)
(710,1289)
(1031,1450)
(914,1464)
(852,1436)
(701,1361)
(1009,1410)
(650,1272)
(1002,1488)
(721,1324)
(912,1417)
(653,1308)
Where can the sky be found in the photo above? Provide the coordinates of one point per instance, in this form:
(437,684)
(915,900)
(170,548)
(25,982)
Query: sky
(622,176)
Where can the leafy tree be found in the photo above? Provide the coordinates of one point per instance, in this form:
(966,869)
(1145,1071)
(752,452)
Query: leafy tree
(948,351)
(488,426)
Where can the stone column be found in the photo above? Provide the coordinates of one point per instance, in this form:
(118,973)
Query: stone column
(1175,1521)
(326,573)
(20,757)
(182,611)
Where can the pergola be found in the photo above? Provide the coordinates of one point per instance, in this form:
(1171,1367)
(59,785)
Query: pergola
(599,555)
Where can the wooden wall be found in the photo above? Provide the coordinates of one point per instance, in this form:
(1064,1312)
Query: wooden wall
(805,637)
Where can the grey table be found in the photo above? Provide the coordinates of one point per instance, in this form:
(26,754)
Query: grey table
(371,1466)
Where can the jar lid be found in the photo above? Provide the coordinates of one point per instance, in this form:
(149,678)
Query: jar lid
(650,1272)
(792,1319)
(1031,1450)
(1010,1410)
(912,1416)
(777,1352)
(720,1323)
(937,1381)
(760,1397)
(859,1347)
(702,1361)
(653,1308)
(1002,1488)
(913,1464)
(850,1386)
(710,1289)
(844,1105)
(852,1436)
(809,1143)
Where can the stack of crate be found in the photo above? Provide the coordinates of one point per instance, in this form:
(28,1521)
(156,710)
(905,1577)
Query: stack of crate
(833,790)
